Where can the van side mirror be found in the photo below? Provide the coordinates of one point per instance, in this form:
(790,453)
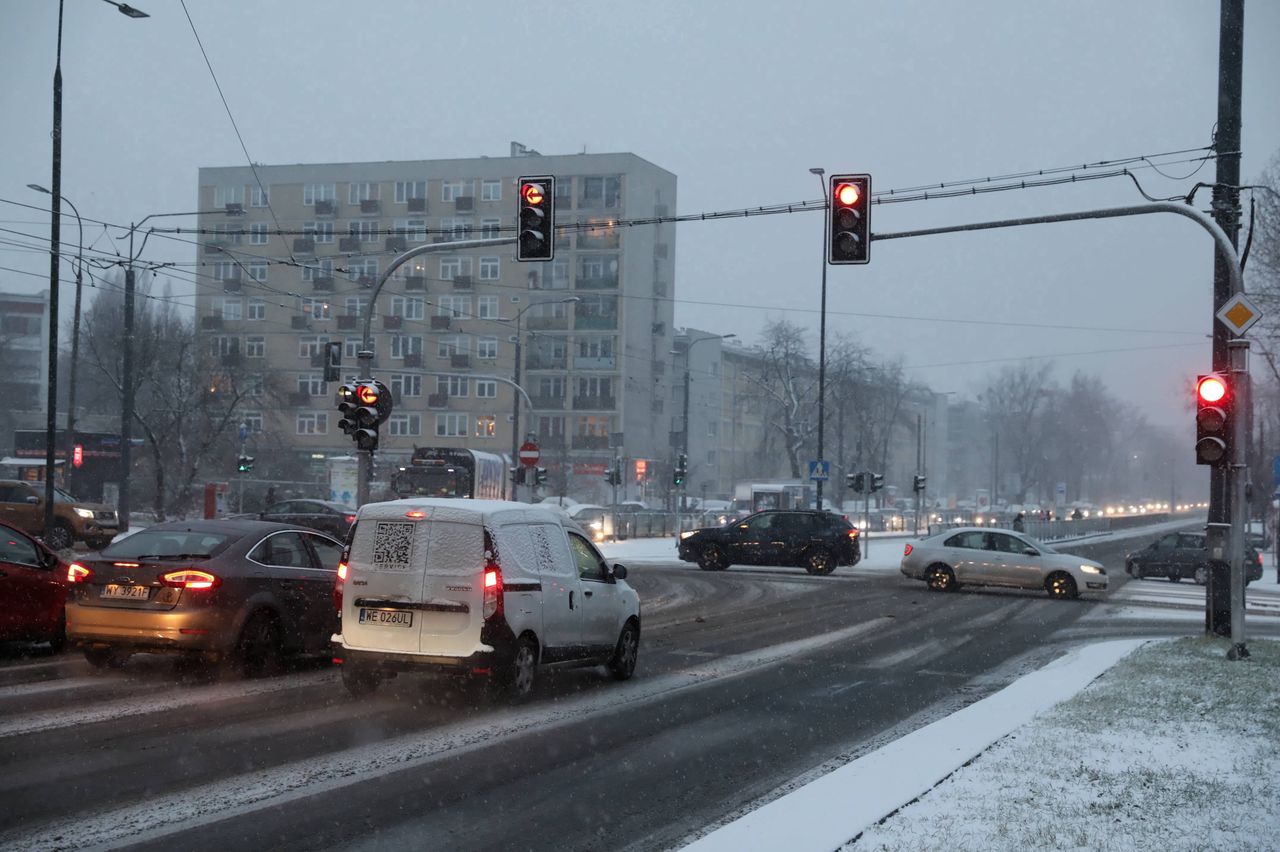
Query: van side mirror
(620,572)
(33,499)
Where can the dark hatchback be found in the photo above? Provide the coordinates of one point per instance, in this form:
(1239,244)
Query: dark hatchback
(817,541)
(1182,556)
(324,515)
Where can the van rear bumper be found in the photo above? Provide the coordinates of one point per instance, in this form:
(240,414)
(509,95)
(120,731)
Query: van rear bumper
(497,636)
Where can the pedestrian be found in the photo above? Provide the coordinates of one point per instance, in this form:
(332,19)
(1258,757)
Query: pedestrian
(271,495)
(1019,523)
(1075,516)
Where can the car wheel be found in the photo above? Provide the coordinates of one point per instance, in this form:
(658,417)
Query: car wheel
(61,538)
(360,681)
(258,650)
(941,579)
(819,562)
(1202,575)
(106,658)
(712,558)
(1175,578)
(1062,586)
(518,677)
(623,663)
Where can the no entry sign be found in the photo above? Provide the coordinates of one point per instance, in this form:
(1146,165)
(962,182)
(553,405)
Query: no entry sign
(529,454)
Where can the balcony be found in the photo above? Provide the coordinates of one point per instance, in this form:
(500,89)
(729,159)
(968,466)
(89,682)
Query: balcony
(547,323)
(464,203)
(349,244)
(322,284)
(460,359)
(211,323)
(300,323)
(231,285)
(233,209)
(546,362)
(590,321)
(603,282)
(415,282)
(440,323)
(397,244)
(370,205)
(348,322)
(591,442)
(594,403)
(413,359)
(547,403)
(304,245)
(391,321)
(462,282)
(326,208)
(601,363)
(437,400)
(417,205)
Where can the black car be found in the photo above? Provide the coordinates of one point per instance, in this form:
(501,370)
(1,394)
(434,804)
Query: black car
(1181,556)
(324,515)
(813,540)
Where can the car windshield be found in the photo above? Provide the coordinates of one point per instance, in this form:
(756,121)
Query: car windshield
(60,496)
(168,544)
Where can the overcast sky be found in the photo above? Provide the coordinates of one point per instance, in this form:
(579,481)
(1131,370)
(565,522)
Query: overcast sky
(739,99)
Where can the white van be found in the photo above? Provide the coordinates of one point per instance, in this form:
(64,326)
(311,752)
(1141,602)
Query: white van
(479,587)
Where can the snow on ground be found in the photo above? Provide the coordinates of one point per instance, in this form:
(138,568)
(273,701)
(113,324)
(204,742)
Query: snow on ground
(1173,748)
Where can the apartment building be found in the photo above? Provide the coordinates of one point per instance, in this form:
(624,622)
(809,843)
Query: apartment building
(289,258)
(24,344)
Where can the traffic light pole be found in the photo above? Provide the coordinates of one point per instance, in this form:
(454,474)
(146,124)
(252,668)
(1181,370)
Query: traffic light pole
(1238,349)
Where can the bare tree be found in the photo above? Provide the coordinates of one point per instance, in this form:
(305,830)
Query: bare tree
(1014,400)
(788,384)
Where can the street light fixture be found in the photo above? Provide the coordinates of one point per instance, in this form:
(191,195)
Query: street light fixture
(126,9)
(684,441)
(515,395)
(75,334)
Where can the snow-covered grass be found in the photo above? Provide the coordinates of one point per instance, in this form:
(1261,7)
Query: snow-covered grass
(1173,748)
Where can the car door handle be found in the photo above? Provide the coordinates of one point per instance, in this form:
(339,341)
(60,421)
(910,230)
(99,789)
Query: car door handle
(571,600)
(588,593)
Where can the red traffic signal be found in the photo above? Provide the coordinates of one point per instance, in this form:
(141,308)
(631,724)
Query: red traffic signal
(367,394)
(1213,421)
(849,219)
(535,220)
(1211,389)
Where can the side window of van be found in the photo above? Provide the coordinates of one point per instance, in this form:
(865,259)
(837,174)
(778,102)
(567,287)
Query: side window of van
(590,566)
(553,549)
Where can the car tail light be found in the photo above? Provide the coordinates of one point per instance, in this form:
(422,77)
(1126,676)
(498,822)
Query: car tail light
(492,591)
(351,519)
(339,582)
(190,578)
(1259,558)
(906,551)
(853,533)
(77,573)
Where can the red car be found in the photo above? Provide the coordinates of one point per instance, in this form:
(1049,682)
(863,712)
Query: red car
(33,590)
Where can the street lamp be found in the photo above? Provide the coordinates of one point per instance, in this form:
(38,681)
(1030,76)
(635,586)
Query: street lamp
(822,336)
(684,441)
(515,396)
(75,333)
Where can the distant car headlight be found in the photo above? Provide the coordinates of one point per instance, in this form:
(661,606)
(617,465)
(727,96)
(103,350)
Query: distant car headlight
(1092,569)
(686,534)
(85,513)
(597,525)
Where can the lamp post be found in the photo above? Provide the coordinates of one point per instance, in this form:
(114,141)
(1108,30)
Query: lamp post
(684,441)
(75,331)
(515,396)
(822,337)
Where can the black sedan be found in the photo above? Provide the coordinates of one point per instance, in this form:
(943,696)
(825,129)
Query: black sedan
(324,515)
(1182,556)
(244,592)
(815,541)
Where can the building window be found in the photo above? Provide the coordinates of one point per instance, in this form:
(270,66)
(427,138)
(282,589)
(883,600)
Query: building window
(452,267)
(351,347)
(559,275)
(454,386)
(254,385)
(409,307)
(600,191)
(313,423)
(595,386)
(595,347)
(486,389)
(486,307)
(452,190)
(313,192)
(486,347)
(317,269)
(551,427)
(455,229)
(321,232)
(252,419)
(451,425)
(312,384)
(255,347)
(258,235)
(551,310)
(458,307)
(260,197)
(257,270)
(491,190)
(356,306)
(450,345)
(232,309)
(363,191)
(486,426)
(490,228)
(405,344)
(406,189)
(404,424)
(551,387)
(257,309)
(311,347)
(413,230)
(226,270)
(224,195)
(366,268)
(406,384)
(317,309)
(222,345)
(593,425)
(490,268)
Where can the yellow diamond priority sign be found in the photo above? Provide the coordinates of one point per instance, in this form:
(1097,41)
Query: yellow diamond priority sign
(1239,314)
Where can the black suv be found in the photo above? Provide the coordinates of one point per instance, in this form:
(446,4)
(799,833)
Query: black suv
(813,540)
(1181,556)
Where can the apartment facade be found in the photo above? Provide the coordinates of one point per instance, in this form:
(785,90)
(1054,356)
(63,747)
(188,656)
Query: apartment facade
(24,347)
(289,258)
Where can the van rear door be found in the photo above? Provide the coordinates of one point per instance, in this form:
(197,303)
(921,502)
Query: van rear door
(384,585)
(451,608)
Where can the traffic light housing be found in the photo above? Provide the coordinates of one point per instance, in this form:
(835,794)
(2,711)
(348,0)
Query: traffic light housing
(1213,420)
(917,485)
(877,481)
(857,482)
(244,464)
(614,475)
(681,470)
(849,219)
(364,405)
(346,409)
(539,476)
(517,474)
(535,220)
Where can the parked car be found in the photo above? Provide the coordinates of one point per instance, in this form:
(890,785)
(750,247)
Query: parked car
(995,557)
(596,521)
(817,541)
(33,589)
(324,515)
(1182,556)
(465,587)
(244,592)
(22,506)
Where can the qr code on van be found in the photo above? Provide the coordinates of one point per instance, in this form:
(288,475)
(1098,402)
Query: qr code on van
(392,546)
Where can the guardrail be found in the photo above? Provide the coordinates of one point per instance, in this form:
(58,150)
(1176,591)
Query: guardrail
(1065,529)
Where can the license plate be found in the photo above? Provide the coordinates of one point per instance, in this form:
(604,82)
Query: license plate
(131,593)
(386,617)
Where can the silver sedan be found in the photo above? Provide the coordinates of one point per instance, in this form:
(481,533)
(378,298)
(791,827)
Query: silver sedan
(991,557)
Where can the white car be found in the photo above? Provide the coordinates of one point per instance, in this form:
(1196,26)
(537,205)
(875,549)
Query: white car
(994,557)
(478,587)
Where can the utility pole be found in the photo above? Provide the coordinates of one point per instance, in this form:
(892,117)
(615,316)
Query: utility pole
(55,255)
(1226,212)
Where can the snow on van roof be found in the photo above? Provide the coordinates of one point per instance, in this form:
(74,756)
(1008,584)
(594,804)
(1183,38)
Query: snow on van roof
(440,508)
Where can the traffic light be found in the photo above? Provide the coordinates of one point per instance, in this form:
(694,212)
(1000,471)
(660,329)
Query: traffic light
(877,481)
(857,482)
(535,222)
(681,470)
(539,476)
(849,220)
(346,408)
(517,474)
(1213,409)
(333,360)
(614,474)
(917,484)
(364,405)
(244,464)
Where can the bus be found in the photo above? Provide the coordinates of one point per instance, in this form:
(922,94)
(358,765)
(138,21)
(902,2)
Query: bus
(451,472)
